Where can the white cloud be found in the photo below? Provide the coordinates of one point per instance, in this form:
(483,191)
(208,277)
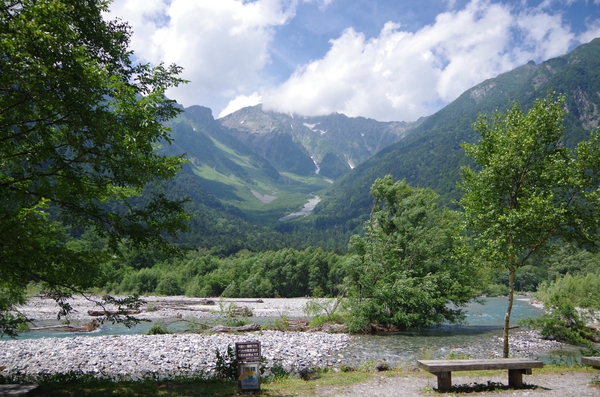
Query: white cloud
(401,75)
(593,31)
(222,45)
(240,102)
(322,3)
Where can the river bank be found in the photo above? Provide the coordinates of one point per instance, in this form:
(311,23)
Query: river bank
(183,354)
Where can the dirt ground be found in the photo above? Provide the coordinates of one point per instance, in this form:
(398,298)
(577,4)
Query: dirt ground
(564,384)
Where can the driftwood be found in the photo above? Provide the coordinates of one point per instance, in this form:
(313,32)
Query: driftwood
(87,327)
(191,309)
(169,303)
(297,325)
(254,301)
(96,313)
(244,328)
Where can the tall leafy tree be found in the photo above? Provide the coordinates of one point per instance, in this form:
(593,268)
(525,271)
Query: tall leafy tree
(409,268)
(79,125)
(529,190)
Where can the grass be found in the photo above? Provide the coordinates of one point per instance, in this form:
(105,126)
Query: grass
(180,388)
(284,386)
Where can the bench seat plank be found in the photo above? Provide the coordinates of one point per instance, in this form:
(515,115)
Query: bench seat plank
(593,361)
(478,365)
(516,368)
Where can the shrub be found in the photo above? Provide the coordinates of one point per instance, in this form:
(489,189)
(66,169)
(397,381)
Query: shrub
(157,329)
(226,364)
(562,323)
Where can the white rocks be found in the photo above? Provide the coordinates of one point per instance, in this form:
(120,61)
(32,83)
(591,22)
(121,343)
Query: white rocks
(135,356)
(170,307)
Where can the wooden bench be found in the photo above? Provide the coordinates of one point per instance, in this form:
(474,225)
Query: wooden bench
(593,361)
(443,369)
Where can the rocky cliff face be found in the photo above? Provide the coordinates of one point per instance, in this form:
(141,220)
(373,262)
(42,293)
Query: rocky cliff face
(344,142)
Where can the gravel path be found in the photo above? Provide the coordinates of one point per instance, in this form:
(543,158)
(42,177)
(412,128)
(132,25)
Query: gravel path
(566,384)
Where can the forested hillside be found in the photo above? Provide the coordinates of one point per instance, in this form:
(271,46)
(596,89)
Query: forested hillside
(431,156)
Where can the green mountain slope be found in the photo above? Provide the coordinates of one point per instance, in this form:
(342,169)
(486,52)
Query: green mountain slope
(236,175)
(431,155)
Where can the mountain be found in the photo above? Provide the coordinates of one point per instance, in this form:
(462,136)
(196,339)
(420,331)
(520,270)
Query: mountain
(431,155)
(271,164)
(329,145)
(241,180)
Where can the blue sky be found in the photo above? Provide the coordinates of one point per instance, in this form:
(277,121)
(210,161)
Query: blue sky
(382,59)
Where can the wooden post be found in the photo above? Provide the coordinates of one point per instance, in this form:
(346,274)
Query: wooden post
(515,377)
(444,381)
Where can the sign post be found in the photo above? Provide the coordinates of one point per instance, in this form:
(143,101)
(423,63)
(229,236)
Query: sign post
(248,356)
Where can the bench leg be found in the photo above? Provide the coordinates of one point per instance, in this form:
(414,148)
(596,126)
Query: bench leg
(444,381)
(515,377)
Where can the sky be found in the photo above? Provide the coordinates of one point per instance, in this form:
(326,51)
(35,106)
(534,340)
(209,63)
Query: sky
(389,60)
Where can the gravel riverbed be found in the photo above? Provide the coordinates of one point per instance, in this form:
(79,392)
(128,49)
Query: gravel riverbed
(184,354)
(166,356)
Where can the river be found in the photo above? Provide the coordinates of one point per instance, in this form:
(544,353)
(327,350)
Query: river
(484,324)
(479,336)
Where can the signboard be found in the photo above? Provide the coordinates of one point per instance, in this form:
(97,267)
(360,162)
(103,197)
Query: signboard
(249,376)
(247,351)
(248,356)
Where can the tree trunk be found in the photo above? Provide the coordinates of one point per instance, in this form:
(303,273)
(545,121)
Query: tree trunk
(511,296)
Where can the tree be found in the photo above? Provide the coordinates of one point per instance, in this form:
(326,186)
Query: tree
(408,267)
(530,190)
(79,127)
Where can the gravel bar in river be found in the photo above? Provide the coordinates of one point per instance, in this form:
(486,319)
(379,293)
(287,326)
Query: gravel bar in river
(166,356)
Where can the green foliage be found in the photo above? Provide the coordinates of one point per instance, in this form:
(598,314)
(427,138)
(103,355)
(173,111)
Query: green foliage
(279,372)
(527,278)
(143,281)
(531,190)
(495,290)
(169,285)
(226,365)
(326,311)
(582,290)
(457,356)
(569,259)
(80,125)
(232,315)
(157,328)
(285,273)
(409,266)
(563,322)
(332,166)
(590,352)
(282,323)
